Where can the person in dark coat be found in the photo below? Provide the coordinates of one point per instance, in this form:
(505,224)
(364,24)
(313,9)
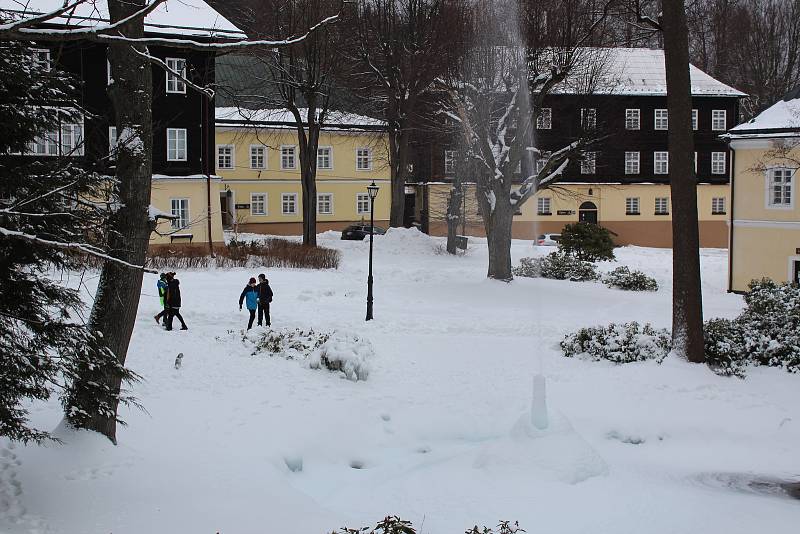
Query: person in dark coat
(161,286)
(173,301)
(264,298)
(250,295)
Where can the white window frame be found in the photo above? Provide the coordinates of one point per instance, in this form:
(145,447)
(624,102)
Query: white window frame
(715,201)
(695,120)
(330,203)
(770,185)
(544,120)
(265,211)
(254,154)
(630,204)
(176,223)
(76,148)
(109,76)
(288,156)
(630,161)
(175,85)
(286,200)
(719,163)
(178,148)
(360,158)
(320,157)
(589,163)
(588,118)
(661,157)
(53,143)
(665,202)
(362,203)
(544,206)
(716,116)
(232,164)
(542,160)
(47,63)
(661,119)
(449,162)
(633,119)
(112,142)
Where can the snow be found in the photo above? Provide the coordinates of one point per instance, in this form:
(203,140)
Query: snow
(783,115)
(439,433)
(234,116)
(174,17)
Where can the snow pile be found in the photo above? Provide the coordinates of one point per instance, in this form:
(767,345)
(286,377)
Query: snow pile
(345,353)
(404,241)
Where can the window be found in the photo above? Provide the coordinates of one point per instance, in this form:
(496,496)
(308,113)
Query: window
(363,159)
(109,77)
(543,206)
(224,156)
(544,121)
(325,203)
(112,142)
(718,162)
(661,162)
(449,162)
(288,159)
(176,144)
(695,162)
(632,206)
(174,83)
(719,120)
(589,163)
(662,205)
(258,203)
(362,203)
(541,161)
(72,139)
(661,119)
(588,118)
(179,208)
(45,145)
(65,140)
(325,158)
(289,203)
(258,157)
(694,119)
(632,119)
(780,188)
(631,163)
(41,58)
(718,206)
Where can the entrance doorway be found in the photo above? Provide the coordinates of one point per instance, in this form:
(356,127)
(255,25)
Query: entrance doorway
(226,208)
(587,212)
(796,272)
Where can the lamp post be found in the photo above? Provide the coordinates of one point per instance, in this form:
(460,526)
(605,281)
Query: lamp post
(372,191)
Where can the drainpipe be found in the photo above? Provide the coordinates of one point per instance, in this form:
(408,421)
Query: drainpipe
(732,218)
(205,102)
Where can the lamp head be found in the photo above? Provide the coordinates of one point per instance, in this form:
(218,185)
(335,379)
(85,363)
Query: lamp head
(372,190)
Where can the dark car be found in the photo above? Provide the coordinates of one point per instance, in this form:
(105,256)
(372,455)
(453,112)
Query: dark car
(358,232)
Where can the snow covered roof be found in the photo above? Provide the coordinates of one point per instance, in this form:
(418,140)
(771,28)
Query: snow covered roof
(640,71)
(233,116)
(783,117)
(173,17)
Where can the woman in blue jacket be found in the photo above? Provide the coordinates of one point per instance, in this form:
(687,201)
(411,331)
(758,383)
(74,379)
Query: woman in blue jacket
(250,294)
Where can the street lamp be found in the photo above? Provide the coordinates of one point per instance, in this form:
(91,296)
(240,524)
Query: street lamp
(372,191)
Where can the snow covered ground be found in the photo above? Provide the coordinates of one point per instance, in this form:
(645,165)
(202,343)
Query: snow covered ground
(438,433)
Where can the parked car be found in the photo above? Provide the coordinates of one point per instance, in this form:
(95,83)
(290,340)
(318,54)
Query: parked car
(547,240)
(358,232)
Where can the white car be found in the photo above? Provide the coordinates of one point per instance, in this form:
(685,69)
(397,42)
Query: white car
(547,240)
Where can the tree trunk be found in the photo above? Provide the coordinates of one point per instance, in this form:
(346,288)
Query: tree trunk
(117,300)
(498,217)
(453,217)
(687,299)
(398,153)
(308,179)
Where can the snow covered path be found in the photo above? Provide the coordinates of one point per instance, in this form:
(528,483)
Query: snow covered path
(234,443)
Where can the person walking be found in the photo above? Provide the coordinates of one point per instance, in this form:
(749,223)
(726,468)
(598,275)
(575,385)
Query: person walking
(161,285)
(250,294)
(264,298)
(174,301)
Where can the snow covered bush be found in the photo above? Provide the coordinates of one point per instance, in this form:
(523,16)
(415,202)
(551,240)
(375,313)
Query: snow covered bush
(557,266)
(724,347)
(587,242)
(624,278)
(292,344)
(394,525)
(347,354)
(618,343)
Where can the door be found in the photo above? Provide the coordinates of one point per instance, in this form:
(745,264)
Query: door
(796,272)
(588,213)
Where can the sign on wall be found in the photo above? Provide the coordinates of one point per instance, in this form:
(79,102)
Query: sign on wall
(565,212)
(242,206)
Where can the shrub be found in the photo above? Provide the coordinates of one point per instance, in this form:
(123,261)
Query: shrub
(623,343)
(557,266)
(624,278)
(268,253)
(724,347)
(587,242)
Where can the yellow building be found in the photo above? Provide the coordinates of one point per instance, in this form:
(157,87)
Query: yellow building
(636,213)
(765,217)
(258,160)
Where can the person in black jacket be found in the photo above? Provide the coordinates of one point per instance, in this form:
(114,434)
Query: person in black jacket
(173,301)
(264,298)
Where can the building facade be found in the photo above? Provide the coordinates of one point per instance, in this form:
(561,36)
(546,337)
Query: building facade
(622,183)
(258,160)
(765,215)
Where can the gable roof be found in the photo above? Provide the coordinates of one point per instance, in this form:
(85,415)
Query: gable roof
(780,119)
(173,17)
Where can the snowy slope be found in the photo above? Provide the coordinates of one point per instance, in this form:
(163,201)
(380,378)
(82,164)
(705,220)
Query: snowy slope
(235,443)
